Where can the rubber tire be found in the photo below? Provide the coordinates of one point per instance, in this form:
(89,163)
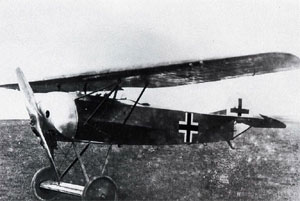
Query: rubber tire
(44,174)
(100,188)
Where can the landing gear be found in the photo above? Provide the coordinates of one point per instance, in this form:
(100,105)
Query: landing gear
(100,188)
(45,184)
(44,174)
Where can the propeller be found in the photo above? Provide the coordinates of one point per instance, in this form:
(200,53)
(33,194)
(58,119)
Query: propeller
(37,118)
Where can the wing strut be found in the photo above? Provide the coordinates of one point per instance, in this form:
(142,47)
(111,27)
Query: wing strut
(135,103)
(106,96)
(134,106)
(103,88)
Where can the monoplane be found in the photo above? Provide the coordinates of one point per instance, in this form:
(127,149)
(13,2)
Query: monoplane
(97,116)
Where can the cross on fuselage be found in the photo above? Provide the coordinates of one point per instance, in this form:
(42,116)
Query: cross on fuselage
(188,127)
(240,109)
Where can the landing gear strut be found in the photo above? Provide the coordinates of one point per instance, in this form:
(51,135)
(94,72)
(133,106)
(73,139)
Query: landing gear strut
(46,187)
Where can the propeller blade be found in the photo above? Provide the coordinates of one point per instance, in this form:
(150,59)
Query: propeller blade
(25,88)
(46,147)
(35,115)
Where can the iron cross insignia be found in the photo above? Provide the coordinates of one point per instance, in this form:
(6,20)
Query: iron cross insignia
(188,127)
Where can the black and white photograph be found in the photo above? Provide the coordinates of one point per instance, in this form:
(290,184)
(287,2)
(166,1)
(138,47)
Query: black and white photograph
(150,100)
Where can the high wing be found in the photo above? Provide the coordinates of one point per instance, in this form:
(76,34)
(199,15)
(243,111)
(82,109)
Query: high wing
(169,74)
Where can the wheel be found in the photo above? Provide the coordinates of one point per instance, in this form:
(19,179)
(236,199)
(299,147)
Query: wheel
(100,188)
(44,174)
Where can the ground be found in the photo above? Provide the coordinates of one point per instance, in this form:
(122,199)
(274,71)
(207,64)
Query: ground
(264,166)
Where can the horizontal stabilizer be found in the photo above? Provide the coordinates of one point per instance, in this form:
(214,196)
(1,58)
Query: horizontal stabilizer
(265,122)
(220,112)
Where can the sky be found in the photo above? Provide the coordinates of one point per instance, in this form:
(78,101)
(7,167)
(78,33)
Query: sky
(49,38)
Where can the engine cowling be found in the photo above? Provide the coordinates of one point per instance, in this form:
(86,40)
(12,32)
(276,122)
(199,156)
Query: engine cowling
(59,112)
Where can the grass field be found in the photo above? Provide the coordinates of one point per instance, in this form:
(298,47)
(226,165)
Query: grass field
(264,166)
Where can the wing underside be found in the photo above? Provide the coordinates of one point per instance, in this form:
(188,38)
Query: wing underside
(170,74)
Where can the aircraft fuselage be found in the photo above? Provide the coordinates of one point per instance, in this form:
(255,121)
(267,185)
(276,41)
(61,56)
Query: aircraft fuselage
(147,125)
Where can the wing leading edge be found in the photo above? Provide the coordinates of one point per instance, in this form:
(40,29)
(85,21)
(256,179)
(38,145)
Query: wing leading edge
(170,74)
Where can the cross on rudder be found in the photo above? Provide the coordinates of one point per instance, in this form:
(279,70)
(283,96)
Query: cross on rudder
(240,109)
